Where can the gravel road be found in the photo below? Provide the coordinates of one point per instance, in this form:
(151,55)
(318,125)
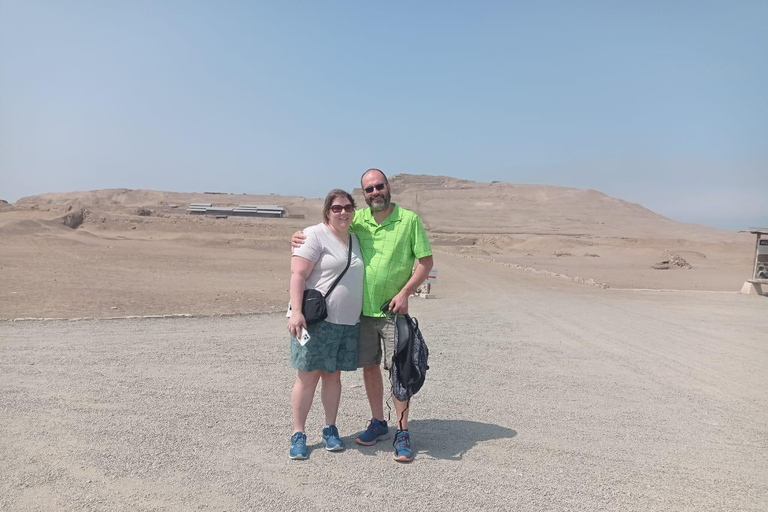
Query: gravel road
(537,399)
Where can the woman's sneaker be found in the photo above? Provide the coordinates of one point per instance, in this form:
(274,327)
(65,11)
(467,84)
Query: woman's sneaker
(376,430)
(333,442)
(402,445)
(298,446)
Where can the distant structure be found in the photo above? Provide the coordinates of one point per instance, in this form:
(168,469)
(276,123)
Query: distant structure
(244,210)
(754,286)
(426,288)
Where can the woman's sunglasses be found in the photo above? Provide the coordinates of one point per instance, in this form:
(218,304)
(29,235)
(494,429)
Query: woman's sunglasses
(337,208)
(378,187)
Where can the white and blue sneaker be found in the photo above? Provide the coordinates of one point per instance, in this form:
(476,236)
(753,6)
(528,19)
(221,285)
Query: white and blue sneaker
(298,446)
(402,444)
(333,442)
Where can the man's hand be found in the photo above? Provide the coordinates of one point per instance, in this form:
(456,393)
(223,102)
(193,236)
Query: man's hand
(399,304)
(297,240)
(296,323)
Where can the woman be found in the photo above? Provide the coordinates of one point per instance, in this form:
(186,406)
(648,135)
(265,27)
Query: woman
(332,344)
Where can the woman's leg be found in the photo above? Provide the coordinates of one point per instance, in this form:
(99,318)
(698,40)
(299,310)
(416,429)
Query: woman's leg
(301,397)
(330,394)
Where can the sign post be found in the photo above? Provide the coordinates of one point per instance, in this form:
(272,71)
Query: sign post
(754,286)
(425,290)
(761,259)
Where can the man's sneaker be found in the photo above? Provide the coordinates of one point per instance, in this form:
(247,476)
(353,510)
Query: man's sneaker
(333,442)
(376,430)
(298,446)
(402,445)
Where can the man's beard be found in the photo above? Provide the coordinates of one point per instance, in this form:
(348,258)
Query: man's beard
(380,203)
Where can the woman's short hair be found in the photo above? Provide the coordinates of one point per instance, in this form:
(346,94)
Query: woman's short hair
(336,193)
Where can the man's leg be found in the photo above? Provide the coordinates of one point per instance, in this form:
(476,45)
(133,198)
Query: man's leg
(402,444)
(374,389)
(369,358)
(402,409)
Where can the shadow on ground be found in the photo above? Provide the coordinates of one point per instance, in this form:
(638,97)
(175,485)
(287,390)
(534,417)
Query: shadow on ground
(451,439)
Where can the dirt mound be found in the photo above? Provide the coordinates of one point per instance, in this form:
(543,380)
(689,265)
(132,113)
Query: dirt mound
(674,261)
(446,205)
(28,227)
(462,207)
(75,218)
(122,197)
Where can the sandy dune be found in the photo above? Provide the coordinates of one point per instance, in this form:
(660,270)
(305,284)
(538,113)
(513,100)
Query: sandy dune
(118,262)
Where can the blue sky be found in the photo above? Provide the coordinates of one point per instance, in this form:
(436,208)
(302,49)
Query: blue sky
(660,103)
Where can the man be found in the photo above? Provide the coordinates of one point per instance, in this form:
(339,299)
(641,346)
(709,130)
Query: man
(391,240)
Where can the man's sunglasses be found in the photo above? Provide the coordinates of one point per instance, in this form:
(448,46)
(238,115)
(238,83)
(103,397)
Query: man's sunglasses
(378,187)
(337,208)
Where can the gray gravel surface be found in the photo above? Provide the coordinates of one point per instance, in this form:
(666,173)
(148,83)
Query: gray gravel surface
(537,399)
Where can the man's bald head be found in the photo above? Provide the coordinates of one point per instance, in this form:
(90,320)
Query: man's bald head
(374,171)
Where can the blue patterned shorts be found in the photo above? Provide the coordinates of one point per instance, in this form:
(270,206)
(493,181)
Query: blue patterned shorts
(331,347)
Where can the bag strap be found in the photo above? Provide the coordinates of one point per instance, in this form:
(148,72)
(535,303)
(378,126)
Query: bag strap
(349,260)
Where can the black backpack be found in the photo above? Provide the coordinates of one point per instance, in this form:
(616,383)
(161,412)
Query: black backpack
(409,363)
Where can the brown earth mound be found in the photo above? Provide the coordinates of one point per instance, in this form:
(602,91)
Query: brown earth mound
(449,205)
(199,264)
(674,261)
(75,219)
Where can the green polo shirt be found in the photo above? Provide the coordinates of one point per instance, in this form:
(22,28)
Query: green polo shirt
(389,251)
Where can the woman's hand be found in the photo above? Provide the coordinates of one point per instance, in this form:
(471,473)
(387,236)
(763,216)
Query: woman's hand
(296,323)
(301,268)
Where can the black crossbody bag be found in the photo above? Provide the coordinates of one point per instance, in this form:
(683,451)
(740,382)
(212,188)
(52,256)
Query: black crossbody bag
(313,303)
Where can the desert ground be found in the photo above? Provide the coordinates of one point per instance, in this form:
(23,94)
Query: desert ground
(565,372)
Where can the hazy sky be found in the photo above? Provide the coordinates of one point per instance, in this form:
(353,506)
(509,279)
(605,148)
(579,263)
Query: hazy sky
(661,103)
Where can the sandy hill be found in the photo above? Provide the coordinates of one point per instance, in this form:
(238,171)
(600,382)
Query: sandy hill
(123,199)
(140,249)
(449,205)
(446,205)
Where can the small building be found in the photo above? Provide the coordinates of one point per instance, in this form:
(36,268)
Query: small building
(244,210)
(258,210)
